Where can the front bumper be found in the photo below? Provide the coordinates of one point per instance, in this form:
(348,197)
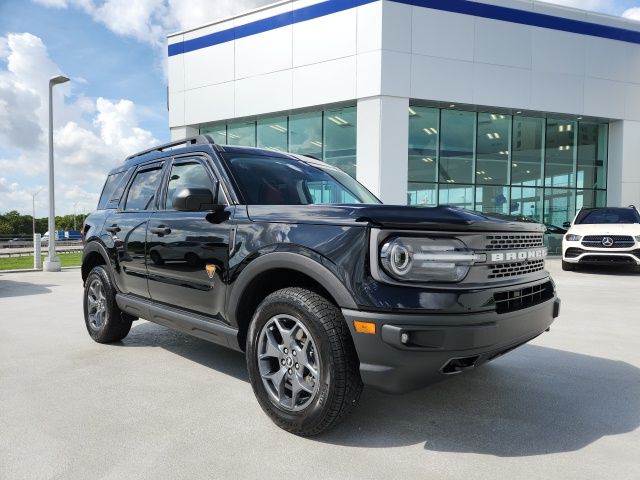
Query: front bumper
(575,252)
(411,351)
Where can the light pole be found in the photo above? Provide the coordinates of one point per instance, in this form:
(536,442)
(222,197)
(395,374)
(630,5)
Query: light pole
(33,209)
(74,214)
(52,264)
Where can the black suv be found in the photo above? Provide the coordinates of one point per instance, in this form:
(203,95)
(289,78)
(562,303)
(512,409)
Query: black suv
(295,263)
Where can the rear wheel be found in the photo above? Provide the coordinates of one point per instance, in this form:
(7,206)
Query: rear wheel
(105,322)
(302,362)
(566,266)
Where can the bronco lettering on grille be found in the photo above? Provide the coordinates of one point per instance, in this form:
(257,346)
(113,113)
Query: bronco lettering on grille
(517,255)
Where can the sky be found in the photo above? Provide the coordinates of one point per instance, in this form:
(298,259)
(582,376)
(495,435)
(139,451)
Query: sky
(114,52)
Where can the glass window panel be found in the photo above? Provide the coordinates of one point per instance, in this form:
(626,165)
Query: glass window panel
(217,132)
(340,139)
(143,190)
(590,199)
(456,195)
(526,202)
(424,194)
(560,153)
(272,133)
(559,205)
(423,144)
(592,154)
(457,141)
(492,155)
(305,134)
(492,199)
(186,175)
(527,151)
(242,134)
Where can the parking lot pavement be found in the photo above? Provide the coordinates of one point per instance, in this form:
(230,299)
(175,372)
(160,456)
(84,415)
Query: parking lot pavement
(161,404)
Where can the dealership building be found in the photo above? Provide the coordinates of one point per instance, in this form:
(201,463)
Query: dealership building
(511,106)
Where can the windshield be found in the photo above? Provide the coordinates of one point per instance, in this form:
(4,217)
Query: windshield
(608,215)
(267,180)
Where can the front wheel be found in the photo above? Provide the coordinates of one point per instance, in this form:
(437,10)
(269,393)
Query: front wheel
(105,322)
(302,363)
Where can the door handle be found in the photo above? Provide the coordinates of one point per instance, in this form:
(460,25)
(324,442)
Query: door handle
(160,230)
(113,228)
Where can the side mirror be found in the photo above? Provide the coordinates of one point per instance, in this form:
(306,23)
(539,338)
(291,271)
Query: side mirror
(194,200)
(566,225)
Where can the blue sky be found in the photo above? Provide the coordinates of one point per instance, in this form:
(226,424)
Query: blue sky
(114,51)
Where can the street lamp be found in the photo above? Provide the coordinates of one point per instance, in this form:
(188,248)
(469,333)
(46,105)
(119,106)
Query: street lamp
(74,214)
(33,209)
(52,264)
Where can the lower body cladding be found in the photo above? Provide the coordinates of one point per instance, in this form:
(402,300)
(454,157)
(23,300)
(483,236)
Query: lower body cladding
(601,256)
(410,351)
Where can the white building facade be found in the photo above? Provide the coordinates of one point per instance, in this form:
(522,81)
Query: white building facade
(510,106)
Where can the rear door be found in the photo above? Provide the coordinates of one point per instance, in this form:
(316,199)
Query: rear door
(188,252)
(128,228)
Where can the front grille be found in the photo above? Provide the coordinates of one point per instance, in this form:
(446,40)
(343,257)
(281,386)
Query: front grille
(513,242)
(573,252)
(606,259)
(619,241)
(514,300)
(504,270)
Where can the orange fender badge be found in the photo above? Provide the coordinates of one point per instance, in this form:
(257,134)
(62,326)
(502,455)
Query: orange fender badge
(211,270)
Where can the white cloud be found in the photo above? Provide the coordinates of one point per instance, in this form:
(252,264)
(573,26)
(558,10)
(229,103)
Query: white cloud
(85,149)
(149,21)
(632,13)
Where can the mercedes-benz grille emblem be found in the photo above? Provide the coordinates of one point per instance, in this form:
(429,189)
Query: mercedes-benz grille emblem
(607,242)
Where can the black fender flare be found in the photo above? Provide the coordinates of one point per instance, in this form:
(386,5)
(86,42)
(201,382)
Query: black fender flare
(96,246)
(291,261)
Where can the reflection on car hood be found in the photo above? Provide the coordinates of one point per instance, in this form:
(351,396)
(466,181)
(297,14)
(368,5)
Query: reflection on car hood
(606,229)
(390,216)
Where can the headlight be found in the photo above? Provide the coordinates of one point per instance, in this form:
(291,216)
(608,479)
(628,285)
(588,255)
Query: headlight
(426,259)
(570,237)
(637,238)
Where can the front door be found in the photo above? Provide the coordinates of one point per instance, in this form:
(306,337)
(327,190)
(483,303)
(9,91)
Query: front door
(187,252)
(128,229)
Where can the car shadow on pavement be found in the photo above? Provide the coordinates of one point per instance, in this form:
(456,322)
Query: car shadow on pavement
(532,401)
(11,288)
(210,355)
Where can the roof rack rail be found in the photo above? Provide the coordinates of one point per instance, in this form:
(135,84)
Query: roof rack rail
(195,140)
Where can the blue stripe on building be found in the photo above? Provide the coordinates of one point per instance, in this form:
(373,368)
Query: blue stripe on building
(466,7)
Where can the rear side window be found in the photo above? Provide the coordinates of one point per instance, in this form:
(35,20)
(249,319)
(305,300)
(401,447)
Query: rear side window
(112,187)
(143,189)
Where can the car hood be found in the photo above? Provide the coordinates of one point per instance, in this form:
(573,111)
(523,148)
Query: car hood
(390,216)
(606,229)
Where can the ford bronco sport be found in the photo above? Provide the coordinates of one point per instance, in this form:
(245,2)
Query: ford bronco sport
(295,263)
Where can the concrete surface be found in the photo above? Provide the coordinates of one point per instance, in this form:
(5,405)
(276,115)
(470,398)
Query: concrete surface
(163,405)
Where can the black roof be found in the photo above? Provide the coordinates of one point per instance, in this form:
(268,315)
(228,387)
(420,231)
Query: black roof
(199,143)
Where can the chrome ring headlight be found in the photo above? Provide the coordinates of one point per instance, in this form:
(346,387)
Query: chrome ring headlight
(421,259)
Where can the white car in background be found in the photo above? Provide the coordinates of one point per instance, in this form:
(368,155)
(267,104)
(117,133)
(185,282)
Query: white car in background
(603,236)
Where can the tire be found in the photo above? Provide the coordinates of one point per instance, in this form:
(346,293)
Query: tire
(105,322)
(568,267)
(337,385)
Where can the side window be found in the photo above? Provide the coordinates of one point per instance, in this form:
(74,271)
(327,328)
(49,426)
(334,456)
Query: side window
(186,175)
(143,189)
(109,189)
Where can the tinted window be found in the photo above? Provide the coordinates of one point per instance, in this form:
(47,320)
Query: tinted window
(608,215)
(186,175)
(109,189)
(143,190)
(267,180)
